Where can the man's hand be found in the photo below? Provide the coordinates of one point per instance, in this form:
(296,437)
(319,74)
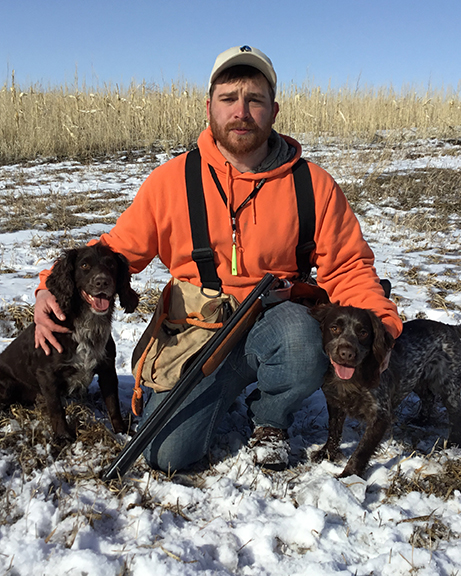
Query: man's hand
(44,326)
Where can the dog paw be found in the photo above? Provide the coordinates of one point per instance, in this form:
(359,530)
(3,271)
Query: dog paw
(123,426)
(351,470)
(318,455)
(119,427)
(325,454)
(454,441)
(63,437)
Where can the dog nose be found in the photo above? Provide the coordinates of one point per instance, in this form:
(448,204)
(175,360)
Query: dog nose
(100,282)
(347,354)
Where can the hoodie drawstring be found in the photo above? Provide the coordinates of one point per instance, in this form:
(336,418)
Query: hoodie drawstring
(228,201)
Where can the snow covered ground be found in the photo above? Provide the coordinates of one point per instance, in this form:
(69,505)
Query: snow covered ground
(230,518)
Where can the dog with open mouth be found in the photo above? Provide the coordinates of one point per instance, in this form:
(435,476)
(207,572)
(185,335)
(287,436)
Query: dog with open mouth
(426,360)
(85,282)
(357,344)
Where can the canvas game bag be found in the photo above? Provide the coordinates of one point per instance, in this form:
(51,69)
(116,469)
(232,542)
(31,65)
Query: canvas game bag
(184,320)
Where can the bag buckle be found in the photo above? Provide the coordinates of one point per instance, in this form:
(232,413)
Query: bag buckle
(203,293)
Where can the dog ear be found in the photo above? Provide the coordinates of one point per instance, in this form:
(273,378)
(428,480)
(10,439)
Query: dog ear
(382,340)
(61,280)
(320,312)
(127,296)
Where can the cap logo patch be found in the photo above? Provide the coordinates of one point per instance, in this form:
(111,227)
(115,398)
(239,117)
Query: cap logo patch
(245,48)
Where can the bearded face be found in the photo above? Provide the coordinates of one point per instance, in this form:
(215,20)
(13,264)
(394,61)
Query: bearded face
(241,115)
(240,136)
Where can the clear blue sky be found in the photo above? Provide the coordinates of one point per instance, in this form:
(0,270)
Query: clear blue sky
(365,42)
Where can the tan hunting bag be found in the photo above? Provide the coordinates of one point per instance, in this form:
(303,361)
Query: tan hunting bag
(184,320)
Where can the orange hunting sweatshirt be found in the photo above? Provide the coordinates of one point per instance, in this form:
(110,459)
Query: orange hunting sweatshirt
(157,223)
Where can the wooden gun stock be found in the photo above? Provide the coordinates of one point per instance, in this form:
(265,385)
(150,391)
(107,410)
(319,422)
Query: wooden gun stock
(234,336)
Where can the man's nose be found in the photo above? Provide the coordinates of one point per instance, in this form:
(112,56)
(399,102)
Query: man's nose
(242,108)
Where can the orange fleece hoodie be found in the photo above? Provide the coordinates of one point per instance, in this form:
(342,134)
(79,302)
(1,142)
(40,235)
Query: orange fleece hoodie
(157,223)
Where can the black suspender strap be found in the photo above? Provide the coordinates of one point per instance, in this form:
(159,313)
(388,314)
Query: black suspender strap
(202,254)
(306,215)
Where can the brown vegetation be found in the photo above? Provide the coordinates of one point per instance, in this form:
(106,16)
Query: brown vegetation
(82,123)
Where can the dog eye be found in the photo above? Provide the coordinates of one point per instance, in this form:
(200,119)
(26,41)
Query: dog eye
(335,329)
(363,334)
(85,266)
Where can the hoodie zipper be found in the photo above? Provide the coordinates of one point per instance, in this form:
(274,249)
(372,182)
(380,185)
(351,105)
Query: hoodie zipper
(233,213)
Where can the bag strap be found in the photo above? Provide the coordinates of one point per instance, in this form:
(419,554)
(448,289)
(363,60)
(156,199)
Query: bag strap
(306,216)
(202,254)
(142,349)
(137,404)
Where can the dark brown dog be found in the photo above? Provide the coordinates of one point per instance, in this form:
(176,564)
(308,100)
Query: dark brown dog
(84,282)
(426,360)
(357,343)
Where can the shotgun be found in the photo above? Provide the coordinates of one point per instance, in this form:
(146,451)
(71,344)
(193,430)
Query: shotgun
(269,291)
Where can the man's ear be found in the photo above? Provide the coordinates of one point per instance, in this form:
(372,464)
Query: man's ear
(208,103)
(276,111)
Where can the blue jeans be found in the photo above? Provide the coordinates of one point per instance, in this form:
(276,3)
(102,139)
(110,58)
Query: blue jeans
(282,353)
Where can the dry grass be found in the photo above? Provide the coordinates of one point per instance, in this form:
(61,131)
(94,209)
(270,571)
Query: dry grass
(436,190)
(68,122)
(54,211)
(26,435)
(429,531)
(438,288)
(356,114)
(431,534)
(64,122)
(148,300)
(443,484)
(27,445)
(14,318)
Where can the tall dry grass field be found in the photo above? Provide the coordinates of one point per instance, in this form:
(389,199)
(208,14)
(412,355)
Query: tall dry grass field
(84,123)
(363,114)
(65,122)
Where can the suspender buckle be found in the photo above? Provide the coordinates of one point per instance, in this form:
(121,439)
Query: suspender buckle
(202,255)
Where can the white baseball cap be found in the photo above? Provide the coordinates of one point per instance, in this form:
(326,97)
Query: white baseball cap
(248,56)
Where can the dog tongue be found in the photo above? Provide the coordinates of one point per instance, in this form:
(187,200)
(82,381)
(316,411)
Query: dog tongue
(343,372)
(100,304)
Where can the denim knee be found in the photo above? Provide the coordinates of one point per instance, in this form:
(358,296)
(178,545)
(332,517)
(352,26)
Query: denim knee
(177,445)
(186,436)
(285,349)
(172,454)
(289,338)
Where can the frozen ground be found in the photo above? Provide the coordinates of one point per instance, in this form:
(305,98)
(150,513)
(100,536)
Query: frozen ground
(230,517)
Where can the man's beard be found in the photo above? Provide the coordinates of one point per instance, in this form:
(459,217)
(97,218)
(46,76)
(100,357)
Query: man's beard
(240,144)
